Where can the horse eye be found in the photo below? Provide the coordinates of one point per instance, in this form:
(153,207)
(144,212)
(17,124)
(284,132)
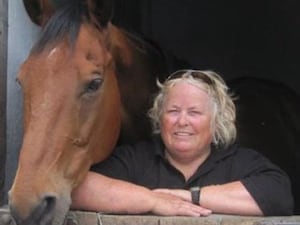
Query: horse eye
(94,85)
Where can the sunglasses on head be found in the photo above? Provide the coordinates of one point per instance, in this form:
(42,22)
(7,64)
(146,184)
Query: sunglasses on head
(196,74)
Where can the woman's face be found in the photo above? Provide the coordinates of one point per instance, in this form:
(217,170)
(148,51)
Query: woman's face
(186,122)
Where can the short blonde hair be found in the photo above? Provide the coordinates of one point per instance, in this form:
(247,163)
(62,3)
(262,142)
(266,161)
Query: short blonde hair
(224,112)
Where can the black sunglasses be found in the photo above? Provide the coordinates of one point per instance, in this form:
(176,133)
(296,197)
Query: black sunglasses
(196,74)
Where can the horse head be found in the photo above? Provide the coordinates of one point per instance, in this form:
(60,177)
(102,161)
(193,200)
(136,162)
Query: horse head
(40,11)
(71,107)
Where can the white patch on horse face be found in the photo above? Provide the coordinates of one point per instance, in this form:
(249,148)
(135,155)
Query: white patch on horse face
(53,51)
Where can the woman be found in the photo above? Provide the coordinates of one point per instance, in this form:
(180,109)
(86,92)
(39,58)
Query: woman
(191,159)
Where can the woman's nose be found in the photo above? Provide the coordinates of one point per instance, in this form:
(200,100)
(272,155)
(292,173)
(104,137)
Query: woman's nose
(183,120)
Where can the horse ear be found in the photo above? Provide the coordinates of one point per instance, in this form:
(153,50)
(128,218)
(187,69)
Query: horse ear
(102,10)
(39,11)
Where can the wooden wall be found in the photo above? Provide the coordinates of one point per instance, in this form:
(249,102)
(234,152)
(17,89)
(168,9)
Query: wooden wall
(3,72)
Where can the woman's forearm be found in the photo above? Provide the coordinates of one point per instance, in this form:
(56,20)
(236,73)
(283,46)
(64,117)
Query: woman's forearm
(100,193)
(103,194)
(230,198)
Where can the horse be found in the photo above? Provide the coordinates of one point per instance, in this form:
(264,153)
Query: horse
(85,83)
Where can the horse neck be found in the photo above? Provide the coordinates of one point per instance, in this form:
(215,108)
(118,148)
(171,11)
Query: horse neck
(137,67)
(132,54)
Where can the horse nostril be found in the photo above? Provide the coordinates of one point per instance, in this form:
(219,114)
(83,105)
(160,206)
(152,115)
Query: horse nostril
(49,202)
(44,212)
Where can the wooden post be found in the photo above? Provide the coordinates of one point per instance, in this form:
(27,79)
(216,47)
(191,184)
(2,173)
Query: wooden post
(3,75)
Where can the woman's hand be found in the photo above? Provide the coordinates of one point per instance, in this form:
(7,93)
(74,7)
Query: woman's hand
(176,202)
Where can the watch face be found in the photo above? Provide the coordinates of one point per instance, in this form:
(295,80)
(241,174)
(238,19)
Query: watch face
(195,189)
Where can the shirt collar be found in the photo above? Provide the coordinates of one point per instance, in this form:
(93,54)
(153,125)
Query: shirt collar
(217,154)
(159,146)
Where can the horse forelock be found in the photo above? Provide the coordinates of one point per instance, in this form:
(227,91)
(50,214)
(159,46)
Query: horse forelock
(65,23)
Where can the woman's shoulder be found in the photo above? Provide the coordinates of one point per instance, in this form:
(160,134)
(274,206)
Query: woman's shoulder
(241,156)
(233,150)
(240,151)
(249,159)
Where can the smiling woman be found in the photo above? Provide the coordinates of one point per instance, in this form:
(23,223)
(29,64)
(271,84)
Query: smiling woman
(194,116)
(213,85)
(186,126)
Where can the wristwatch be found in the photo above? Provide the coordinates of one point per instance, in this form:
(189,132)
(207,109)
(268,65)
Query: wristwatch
(195,193)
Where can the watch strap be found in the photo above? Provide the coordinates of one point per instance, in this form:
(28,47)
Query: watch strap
(195,194)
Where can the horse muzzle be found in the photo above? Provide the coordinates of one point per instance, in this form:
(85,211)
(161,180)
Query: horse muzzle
(41,214)
(49,210)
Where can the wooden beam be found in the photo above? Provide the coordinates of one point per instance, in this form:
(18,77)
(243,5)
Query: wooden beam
(93,218)
(3,75)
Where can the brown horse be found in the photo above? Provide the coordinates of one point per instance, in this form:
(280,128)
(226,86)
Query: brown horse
(82,79)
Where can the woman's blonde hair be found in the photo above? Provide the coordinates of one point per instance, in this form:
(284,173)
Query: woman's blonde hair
(224,112)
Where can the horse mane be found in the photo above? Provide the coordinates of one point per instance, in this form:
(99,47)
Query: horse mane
(66,21)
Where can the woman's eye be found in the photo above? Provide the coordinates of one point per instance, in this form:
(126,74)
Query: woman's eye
(172,111)
(94,85)
(195,113)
